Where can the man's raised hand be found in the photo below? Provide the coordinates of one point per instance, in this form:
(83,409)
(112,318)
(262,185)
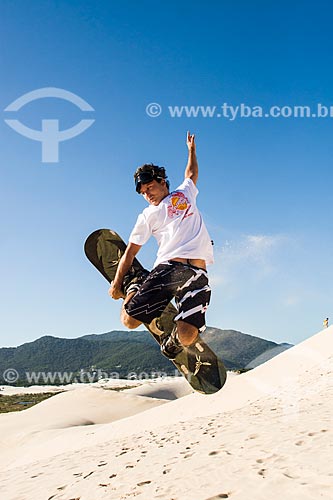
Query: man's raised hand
(190,141)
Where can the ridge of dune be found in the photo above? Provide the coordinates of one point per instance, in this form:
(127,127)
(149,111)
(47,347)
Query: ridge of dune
(261,431)
(275,376)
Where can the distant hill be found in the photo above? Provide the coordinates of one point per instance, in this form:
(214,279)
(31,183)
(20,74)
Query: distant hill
(122,353)
(240,350)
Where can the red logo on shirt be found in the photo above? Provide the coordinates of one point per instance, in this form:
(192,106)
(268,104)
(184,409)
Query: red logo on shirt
(179,205)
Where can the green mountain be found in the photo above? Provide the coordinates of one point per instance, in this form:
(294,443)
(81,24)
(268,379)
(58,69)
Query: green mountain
(240,350)
(120,353)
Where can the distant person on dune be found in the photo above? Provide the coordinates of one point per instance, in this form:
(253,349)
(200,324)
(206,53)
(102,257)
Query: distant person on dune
(325,323)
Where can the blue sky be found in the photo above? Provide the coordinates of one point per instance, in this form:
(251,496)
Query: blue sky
(265,183)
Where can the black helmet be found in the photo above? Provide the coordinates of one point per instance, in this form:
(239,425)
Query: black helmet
(147,173)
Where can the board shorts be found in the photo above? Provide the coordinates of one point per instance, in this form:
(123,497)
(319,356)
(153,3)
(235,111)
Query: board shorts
(187,284)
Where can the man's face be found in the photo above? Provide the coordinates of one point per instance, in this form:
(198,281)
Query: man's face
(154,192)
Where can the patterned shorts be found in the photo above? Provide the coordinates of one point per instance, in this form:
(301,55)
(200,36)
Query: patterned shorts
(187,284)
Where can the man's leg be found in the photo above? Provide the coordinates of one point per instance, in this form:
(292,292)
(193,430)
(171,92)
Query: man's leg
(189,286)
(152,297)
(187,334)
(183,335)
(192,299)
(125,318)
(131,287)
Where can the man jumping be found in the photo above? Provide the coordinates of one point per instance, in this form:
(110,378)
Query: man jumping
(179,272)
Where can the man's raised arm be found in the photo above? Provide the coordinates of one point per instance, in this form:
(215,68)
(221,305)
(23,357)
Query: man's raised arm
(192,169)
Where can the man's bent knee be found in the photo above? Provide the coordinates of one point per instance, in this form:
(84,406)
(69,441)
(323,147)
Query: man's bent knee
(125,318)
(128,320)
(187,333)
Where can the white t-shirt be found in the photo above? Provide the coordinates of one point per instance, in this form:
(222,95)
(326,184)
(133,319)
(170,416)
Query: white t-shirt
(177,225)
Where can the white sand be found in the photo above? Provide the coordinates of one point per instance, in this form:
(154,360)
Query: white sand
(266,435)
(37,389)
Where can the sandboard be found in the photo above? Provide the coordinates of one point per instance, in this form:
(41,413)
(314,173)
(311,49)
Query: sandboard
(198,363)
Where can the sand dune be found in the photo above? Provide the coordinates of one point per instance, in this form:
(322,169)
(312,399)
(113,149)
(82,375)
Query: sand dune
(265,435)
(82,407)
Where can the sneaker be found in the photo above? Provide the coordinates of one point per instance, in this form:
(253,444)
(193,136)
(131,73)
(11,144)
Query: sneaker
(132,282)
(156,327)
(171,346)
